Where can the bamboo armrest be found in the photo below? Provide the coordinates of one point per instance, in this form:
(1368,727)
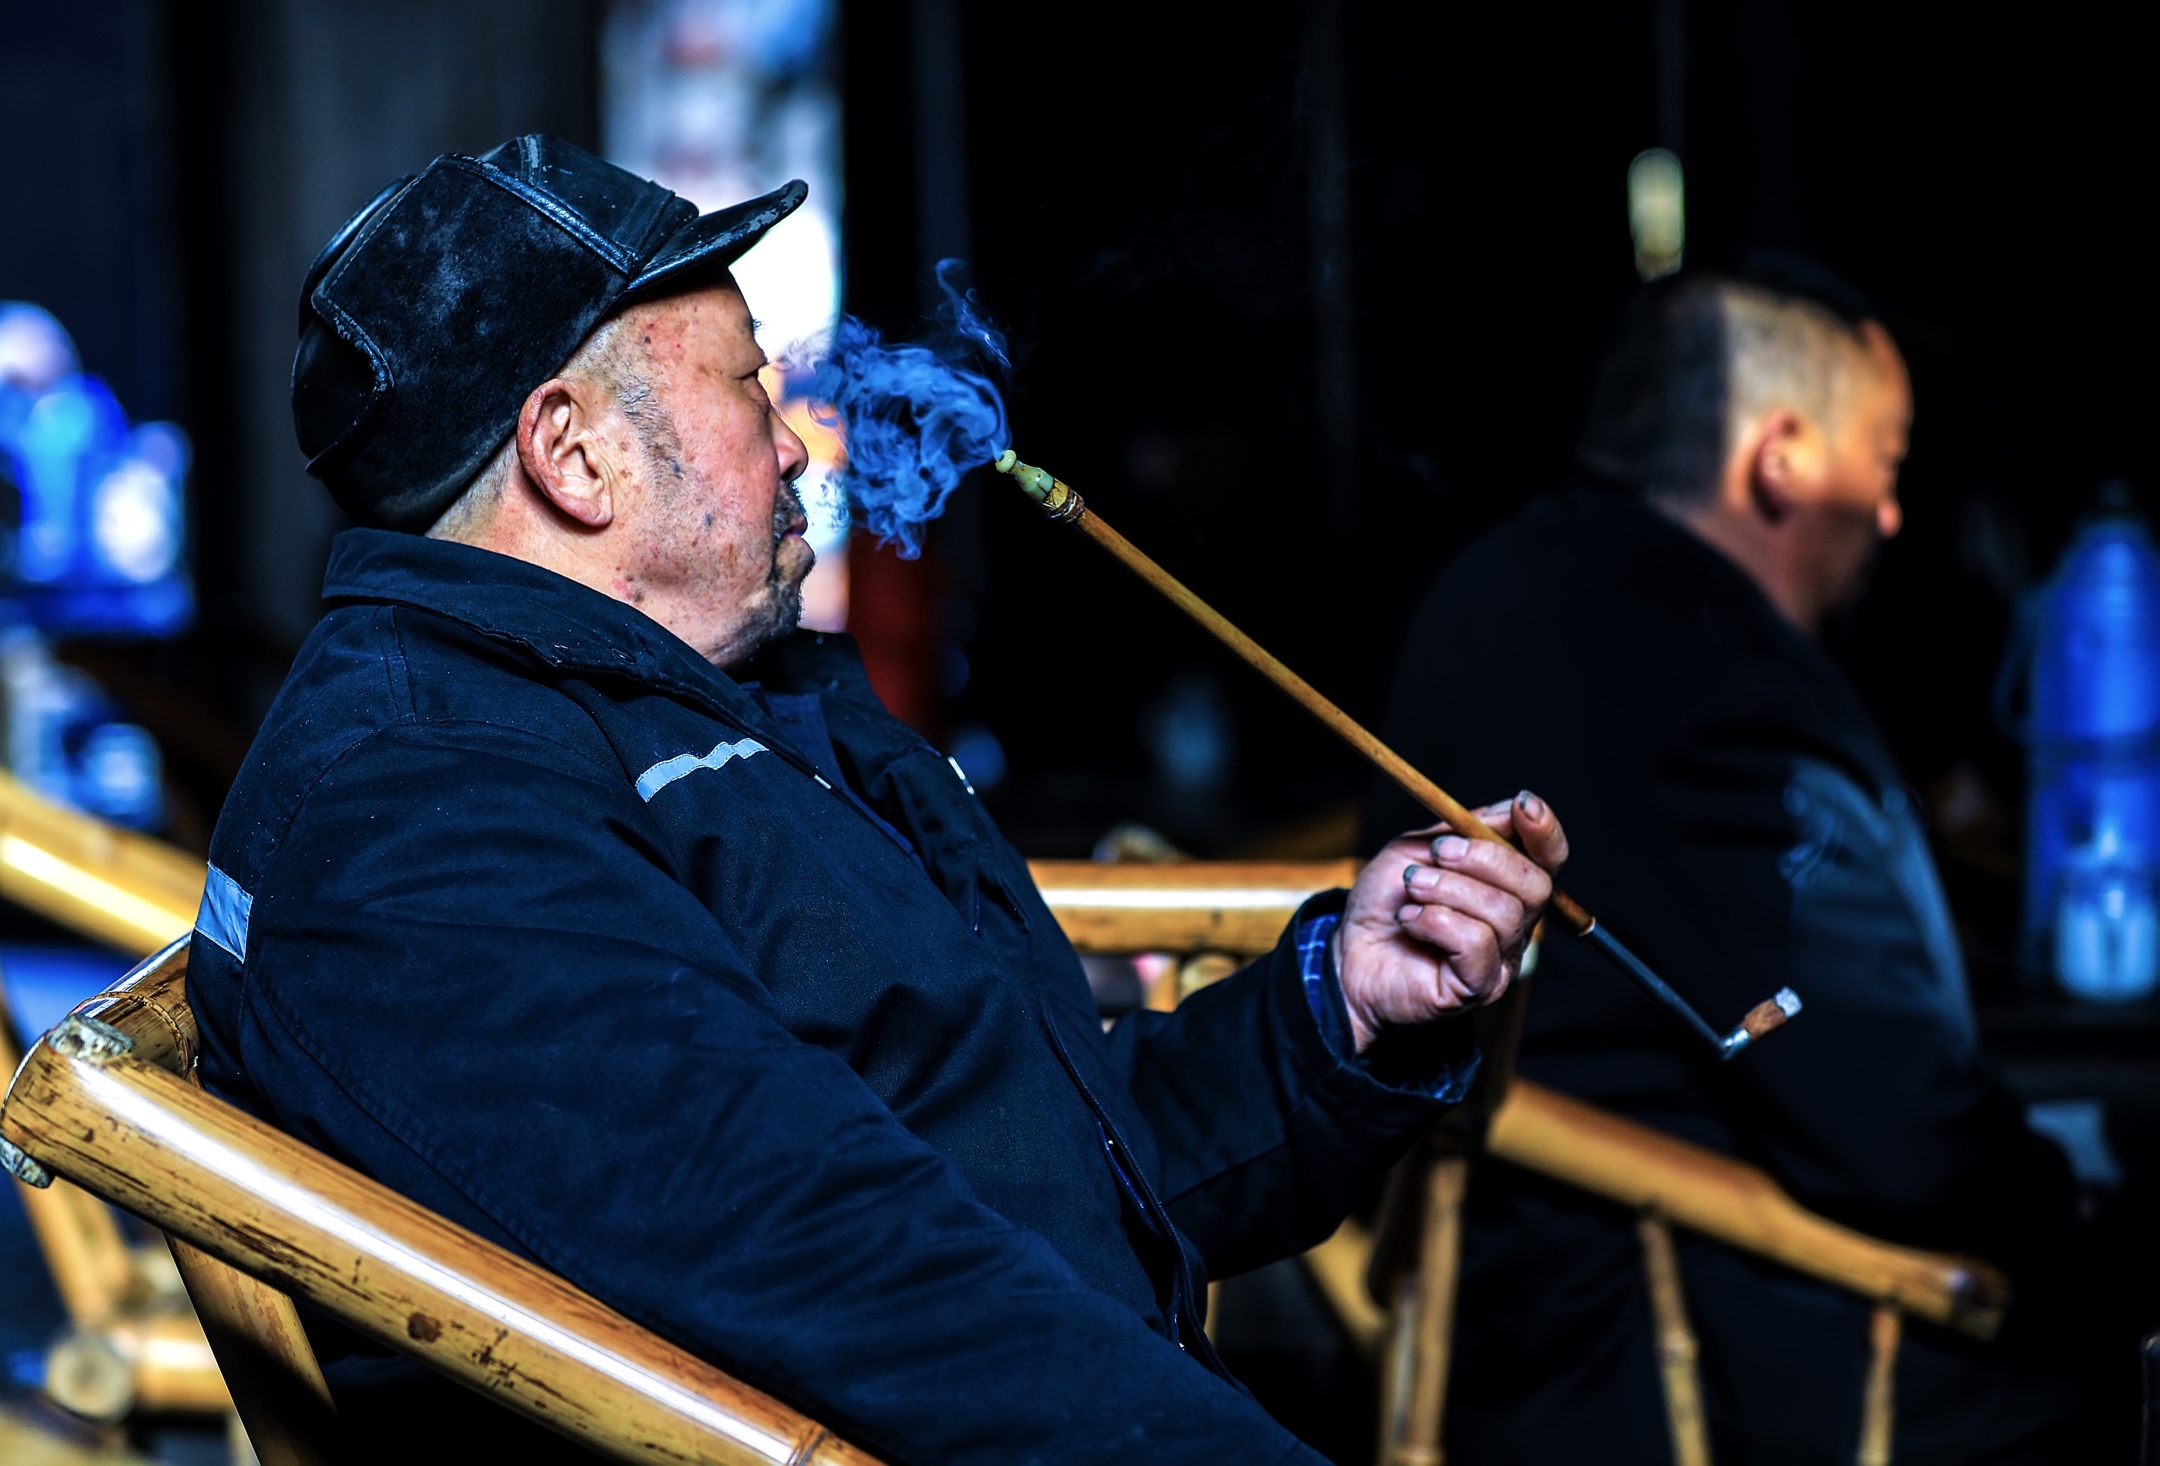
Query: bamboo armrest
(89,1104)
(1647,1170)
(1197,906)
(1241,907)
(137,893)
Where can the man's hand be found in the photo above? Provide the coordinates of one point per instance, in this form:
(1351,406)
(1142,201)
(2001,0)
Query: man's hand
(1437,924)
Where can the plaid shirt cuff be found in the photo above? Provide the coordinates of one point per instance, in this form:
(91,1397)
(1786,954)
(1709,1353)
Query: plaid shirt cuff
(1446,1068)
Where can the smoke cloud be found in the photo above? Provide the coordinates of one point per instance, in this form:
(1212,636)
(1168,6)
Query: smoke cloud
(915,416)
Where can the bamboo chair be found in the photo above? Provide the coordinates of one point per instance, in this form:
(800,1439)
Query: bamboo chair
(107,1099)
(101,1099)
(132,1344)
(1415,1263)
(1228,910)
(257,1219)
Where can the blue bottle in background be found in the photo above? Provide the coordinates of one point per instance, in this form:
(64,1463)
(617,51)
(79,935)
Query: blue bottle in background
(2092,885)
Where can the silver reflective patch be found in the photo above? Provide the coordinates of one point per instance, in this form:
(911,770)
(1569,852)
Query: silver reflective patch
(668,770)
(224,914)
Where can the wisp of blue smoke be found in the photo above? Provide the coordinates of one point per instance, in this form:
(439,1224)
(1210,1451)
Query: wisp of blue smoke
(915,416)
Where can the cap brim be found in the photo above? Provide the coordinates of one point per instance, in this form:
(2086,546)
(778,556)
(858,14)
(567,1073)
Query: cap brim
(710,243)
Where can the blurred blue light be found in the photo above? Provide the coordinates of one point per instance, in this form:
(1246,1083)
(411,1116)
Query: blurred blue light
(2093,827)
(119,775)
(980,756)
(98,543)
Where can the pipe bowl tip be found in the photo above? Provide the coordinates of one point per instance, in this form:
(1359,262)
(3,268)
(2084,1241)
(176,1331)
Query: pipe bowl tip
(1005,461)
(1769,1014)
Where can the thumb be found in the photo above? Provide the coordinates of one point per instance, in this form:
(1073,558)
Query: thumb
(1539,830)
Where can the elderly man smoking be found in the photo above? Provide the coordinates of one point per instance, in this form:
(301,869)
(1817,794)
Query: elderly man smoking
(572,892)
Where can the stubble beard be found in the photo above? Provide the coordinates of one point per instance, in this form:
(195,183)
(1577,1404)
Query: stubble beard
(783,591)
(781,606)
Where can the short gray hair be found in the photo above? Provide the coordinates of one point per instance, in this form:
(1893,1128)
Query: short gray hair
(613,358)
(1697,359)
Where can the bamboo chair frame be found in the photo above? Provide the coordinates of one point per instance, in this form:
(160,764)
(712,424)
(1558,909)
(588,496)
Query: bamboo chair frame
(1667,1182)
(184,1162)
(132,1344)
(106,1099)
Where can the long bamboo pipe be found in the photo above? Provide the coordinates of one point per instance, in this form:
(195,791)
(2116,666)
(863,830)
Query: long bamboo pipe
(1064,506)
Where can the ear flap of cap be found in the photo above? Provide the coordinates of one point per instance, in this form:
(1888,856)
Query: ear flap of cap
(332,384)
(332,380)
(339,242)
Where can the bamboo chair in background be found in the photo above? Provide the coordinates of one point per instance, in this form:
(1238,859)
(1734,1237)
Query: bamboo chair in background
(132,1343)
(1416,1260)
(1224,911)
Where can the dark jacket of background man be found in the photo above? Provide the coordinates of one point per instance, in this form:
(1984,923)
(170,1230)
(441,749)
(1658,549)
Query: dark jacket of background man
(1735,815)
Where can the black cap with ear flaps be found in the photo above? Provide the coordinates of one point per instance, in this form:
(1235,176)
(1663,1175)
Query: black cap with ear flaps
(435,310)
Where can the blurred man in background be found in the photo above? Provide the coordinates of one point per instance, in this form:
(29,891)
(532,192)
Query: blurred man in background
(1735,809)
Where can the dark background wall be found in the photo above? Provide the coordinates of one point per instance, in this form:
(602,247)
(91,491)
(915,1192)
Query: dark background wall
(90,212)
(309,109)
(1302,293)
(1148,201)
(170,171)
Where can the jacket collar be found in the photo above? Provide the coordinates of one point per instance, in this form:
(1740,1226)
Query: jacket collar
(548,616)
(1785,666)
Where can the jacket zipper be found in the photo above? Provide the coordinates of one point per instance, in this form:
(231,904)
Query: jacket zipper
(1157,1216)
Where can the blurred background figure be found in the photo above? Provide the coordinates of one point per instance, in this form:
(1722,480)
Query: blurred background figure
(1740,462)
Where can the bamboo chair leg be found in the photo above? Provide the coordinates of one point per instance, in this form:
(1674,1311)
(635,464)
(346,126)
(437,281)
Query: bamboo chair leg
(2149,1424)
(1398,1360)
(1878,1414)
(1423,1326)
(1338,1267)
(1677,1350)
(278,1390)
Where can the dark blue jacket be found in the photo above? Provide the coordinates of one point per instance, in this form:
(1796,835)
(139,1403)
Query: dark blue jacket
(1734,814)
(523,909)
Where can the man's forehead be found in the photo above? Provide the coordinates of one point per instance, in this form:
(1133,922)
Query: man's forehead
(714,317)
(1884,369)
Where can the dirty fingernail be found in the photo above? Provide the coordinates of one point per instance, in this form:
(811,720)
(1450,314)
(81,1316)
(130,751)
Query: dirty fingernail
(1451,847)
(1420,879)
(1531,806)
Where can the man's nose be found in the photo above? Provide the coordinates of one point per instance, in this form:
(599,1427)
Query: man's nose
(1889,517)
(794,456)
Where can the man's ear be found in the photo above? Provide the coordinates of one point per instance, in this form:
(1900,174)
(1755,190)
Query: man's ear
(567,462)
(1777,464)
